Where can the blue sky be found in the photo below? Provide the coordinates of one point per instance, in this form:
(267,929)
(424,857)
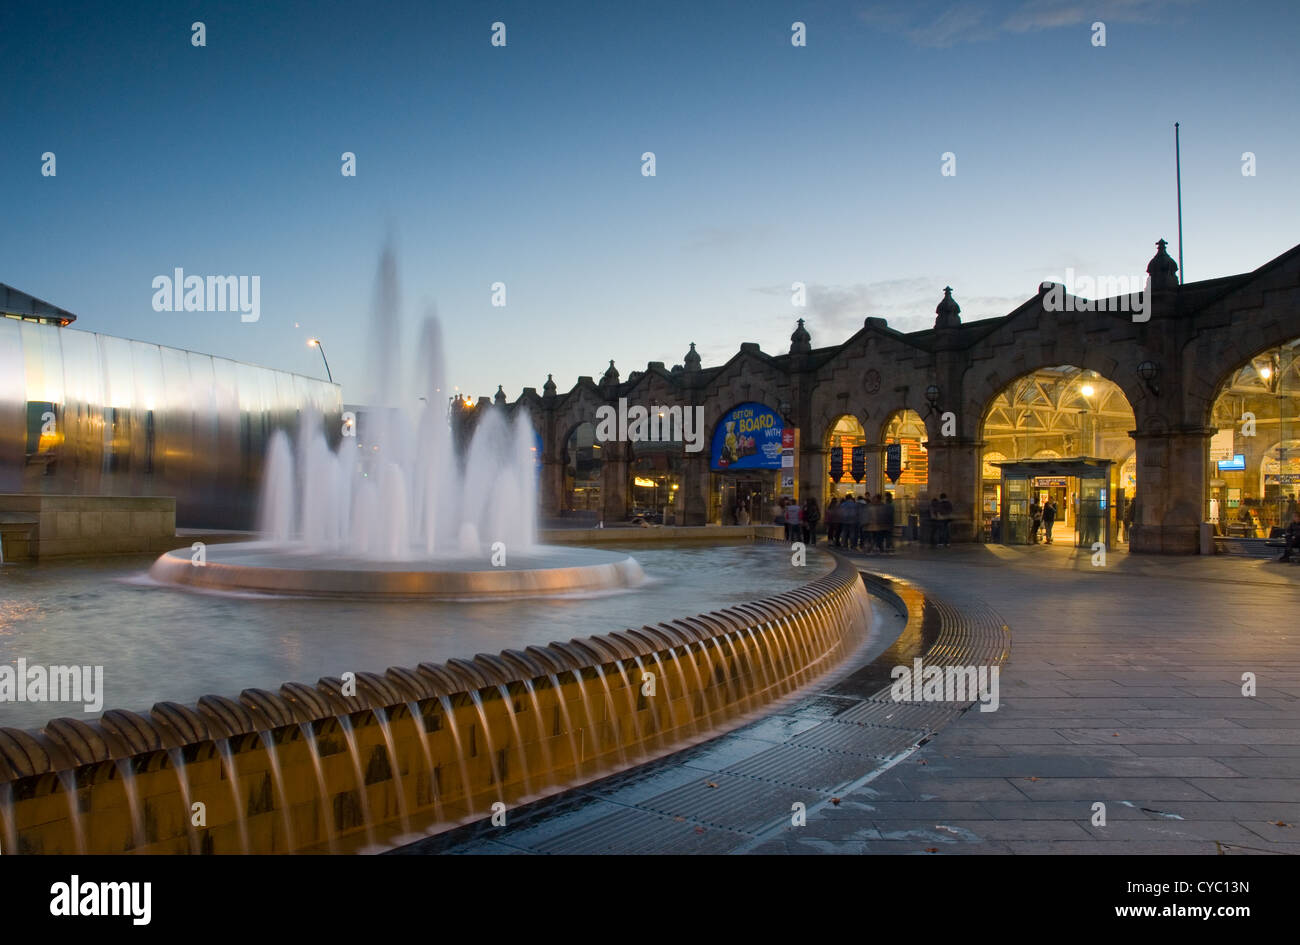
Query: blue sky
(522,165)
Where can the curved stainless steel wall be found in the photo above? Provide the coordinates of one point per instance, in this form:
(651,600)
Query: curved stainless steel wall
(88,414)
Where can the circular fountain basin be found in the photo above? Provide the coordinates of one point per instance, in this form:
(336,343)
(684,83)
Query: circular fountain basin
(262,567)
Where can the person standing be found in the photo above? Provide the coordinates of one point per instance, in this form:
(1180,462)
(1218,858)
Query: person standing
(852,522)
(871,525)
(832,520)
(1035,521)
(945,519)
(887,516)
(812,516)
(878,523)
(792,521)
(1049,519)
(1292,535)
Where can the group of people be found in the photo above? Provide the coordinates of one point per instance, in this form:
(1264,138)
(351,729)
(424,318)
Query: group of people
(860,523)
(1044,517)
(941,521)
(800,521)
(864,523)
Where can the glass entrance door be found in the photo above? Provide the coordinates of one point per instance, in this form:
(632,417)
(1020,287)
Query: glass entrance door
(1093,520)
(1015,510)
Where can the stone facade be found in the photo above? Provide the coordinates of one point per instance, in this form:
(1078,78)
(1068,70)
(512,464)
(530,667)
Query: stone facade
(1191,339)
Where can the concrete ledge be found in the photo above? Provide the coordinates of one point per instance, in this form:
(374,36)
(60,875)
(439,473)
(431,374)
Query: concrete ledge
(365,763)
(74,525)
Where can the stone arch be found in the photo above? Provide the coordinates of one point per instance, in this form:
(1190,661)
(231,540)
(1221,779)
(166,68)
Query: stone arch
(579,405)
(1256,413)
(571,465)
(836,427)
(1063,376)
(979,392)
(913,431)
(1230,361)
(1056,412)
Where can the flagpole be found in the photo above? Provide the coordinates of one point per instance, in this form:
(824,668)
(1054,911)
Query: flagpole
(1178,165)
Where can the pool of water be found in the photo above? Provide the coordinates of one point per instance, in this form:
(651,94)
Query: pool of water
(162,643)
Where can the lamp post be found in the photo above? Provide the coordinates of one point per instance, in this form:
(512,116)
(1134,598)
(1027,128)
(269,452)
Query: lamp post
(315,343)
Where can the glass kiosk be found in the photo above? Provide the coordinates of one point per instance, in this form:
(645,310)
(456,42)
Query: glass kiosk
(1086,486)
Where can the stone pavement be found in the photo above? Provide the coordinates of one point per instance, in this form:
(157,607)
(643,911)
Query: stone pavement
(1123,688)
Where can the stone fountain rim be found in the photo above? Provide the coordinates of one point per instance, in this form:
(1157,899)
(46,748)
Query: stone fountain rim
(69,743)
(614,570)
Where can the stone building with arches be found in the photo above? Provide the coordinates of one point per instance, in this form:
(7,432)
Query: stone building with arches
(1144,393)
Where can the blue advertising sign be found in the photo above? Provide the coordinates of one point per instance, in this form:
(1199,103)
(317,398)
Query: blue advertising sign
(1238,461)
(859,471)
(747,437)
(894,461)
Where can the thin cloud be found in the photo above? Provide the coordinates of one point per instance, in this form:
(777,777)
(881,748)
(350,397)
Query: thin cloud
(836,312)
(1055,14)
(940,25)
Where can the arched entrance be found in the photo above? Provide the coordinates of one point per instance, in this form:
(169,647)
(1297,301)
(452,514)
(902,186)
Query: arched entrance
(1066,430)
(582,470)
(846,451)
(1254,458)
(904,435)
(656,476)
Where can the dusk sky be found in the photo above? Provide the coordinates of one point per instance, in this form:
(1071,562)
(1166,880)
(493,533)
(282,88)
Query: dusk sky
(522,164)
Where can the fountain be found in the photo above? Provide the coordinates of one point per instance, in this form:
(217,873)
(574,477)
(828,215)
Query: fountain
(392,512)
(417,749)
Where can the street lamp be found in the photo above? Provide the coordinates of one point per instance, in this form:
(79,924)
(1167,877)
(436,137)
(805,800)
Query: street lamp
(315,343)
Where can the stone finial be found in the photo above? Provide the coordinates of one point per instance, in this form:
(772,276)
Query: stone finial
(500,397)
(800,340)
(1162,269)
(692,359)
(610,377)
(948,311)
(548,389)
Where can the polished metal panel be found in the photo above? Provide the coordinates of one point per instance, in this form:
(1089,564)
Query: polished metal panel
(13,407)
(133,418)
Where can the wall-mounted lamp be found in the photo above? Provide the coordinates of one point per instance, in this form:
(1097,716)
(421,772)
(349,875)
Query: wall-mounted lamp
(1149,371)
(932,396)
